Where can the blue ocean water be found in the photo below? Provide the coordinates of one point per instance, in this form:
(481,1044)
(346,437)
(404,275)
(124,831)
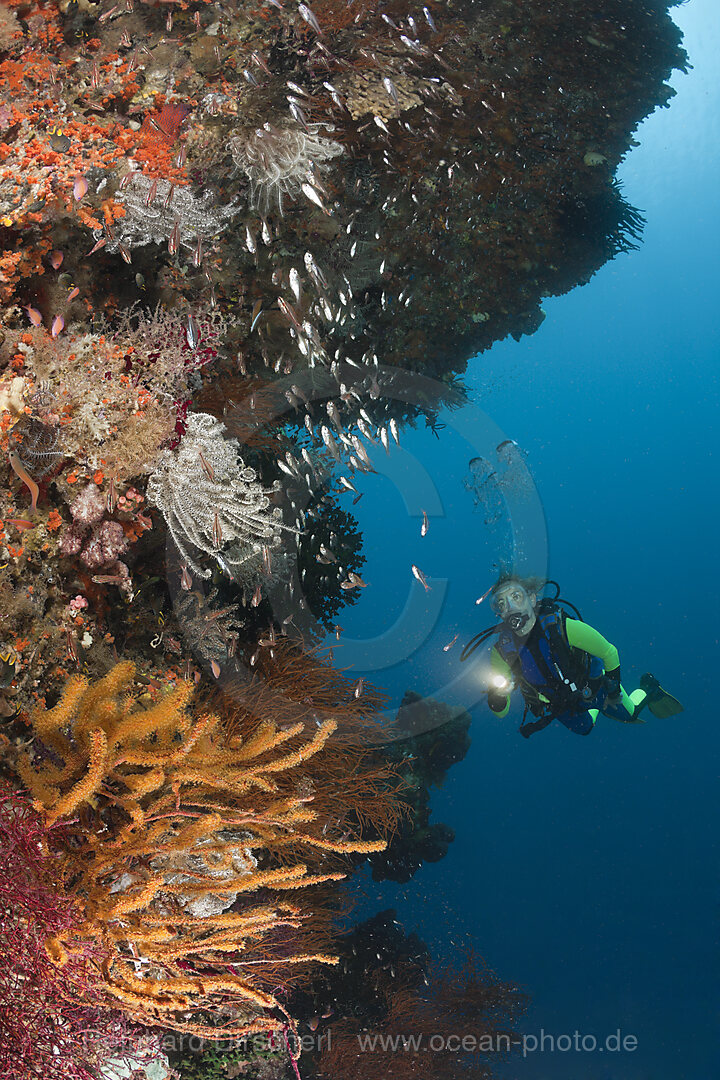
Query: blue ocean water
(585,870)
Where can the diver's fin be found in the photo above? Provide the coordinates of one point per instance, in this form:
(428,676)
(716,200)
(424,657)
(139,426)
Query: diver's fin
(659,702)
(666,705)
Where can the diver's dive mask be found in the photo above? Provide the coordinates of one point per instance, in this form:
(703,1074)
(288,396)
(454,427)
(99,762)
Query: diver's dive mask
(513,605)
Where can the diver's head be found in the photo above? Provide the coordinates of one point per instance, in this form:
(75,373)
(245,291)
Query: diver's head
(514,600)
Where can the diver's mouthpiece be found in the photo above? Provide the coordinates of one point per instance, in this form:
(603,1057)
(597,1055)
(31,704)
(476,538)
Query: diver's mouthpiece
(516,622)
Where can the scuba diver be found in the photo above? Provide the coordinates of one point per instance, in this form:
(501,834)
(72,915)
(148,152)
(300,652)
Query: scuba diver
(564,669)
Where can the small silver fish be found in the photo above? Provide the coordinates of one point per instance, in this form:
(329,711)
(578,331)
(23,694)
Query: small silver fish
(366,431)
(424,526)
(310,19)
(295,285)
(414,46)
(307,459)
(329,441)
(448,647)
(394,430)
(192,333)
(290,314)
(207,467)
(314,270)
(297,114)
(348,484)
(420,577)
(430,20)
(111,497)
(384,439)
(198,253)
(257,58)
(313,196)
(361,451)
(390,87)
(334,415)
(174,239)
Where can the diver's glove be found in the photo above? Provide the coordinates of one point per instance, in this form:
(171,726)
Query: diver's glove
(499,692)
(497,700)
(526,730)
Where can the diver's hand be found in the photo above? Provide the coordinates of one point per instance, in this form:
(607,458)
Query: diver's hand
(526,730)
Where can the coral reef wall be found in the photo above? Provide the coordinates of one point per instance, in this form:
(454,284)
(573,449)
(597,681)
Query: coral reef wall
(240,243)
(268,214)
(476,143)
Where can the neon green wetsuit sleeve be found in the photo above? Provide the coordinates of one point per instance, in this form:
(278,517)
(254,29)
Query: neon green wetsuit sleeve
(498,666)
(582,636)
